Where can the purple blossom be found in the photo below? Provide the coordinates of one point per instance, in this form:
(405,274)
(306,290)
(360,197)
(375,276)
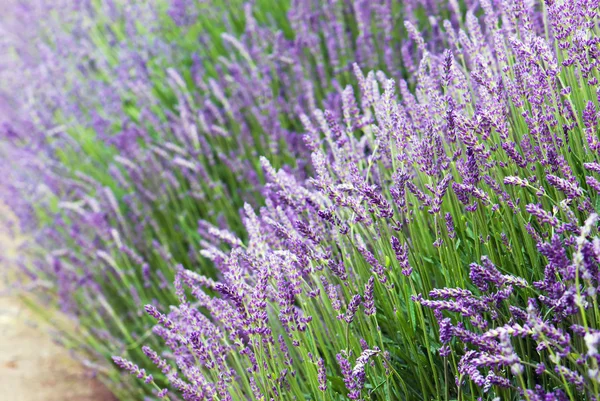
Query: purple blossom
(132,368)
(377,268)
(162,319)
(368,297)
(156,360)
(401,252)
(322,376)
(450,226)
(542,215)
(352,308)
(571,189)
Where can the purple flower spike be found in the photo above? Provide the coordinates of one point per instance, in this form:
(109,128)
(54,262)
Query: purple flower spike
(369,301)
(352,308)
(132,368)
(322,376)
(401,255)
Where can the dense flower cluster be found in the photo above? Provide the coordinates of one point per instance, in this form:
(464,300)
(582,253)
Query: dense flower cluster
(559,320)
(295,227)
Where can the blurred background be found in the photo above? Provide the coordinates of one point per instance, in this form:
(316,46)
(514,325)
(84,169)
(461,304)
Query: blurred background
(32,366)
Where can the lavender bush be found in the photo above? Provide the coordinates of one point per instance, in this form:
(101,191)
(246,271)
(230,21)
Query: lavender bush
(476,186)
(423,231)
(137,119)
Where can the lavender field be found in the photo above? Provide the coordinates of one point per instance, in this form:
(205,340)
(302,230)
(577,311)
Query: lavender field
(310,199)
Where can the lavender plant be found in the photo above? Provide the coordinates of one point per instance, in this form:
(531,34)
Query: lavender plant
(463,168)
(145,116)
(554,329)
(474,189)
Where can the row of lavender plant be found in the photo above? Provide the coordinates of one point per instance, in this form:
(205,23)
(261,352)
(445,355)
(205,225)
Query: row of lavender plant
(445,247)
(139,125)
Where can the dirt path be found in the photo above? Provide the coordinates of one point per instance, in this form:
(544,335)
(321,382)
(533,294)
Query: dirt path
(32,367)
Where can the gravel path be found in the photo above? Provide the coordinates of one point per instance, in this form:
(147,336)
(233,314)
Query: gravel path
(32,367)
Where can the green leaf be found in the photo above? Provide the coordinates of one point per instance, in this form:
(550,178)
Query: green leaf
(337,383)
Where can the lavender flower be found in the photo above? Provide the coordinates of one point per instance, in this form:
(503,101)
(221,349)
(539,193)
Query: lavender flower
(162,319)
(401,252)
(571,189)
(352,308)
(322,375)
(362,360)
(542,215)
(132,368)
(450,226)
(368,298)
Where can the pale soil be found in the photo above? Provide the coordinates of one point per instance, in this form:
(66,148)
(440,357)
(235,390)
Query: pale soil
(32,367)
